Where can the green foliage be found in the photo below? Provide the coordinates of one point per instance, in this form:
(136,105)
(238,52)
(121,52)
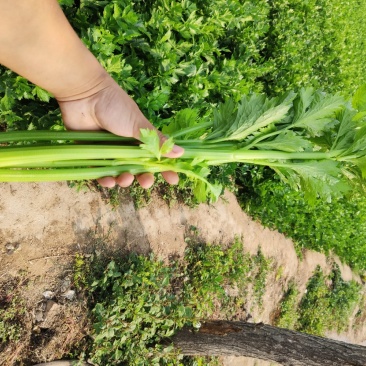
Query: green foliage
(136,311)
(261,268)
(80,272)
(171,194)
(170,55)
(317,43)
(328,303)
(210,269)
(12,311)
(139,302)
(345,20)
(288,315)
(338,226)
(343,298)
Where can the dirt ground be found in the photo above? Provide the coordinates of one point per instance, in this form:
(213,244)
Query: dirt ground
(43,225)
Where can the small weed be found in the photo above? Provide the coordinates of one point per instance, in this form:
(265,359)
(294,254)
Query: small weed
(135,311)
(11,318)
(343,298)
(81,185)
(181,193)
(360,316)
(279,273)
(210,270)
(12,312)
(288,316)
(141,197)
(80,271)
(261,268)
(328,303)
(113,196)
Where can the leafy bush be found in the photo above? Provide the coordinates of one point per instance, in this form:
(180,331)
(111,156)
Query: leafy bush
(138,302)
(260,271)
(136,310)
(315,42)
(177,54)
(288,313)
(211,269)
(328,303)
(338,226)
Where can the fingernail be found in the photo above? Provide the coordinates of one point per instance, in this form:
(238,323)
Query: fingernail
(177,149)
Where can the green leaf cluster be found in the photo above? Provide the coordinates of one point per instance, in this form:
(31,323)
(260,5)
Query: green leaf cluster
(336,227)
(316,43)
(328,304)
(170,55)
(139,302)
(314,141)
(12,311)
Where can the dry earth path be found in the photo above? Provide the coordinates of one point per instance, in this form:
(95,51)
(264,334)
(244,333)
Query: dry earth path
(43,225)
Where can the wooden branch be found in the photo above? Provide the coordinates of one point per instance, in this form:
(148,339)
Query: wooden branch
(288,348)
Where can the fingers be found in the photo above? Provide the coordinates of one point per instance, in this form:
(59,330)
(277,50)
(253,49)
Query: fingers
(145,180)
(170,177)
(107,182)
(125,180)
(176,152)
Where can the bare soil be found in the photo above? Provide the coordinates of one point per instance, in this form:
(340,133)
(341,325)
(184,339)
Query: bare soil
(43,226)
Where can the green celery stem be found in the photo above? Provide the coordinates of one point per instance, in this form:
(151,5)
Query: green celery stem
(22,155)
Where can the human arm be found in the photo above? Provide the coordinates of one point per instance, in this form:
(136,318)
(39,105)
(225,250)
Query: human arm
(37,42)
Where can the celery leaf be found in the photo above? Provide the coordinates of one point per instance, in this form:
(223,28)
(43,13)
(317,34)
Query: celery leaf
(316,115)
(286,141)
(151,142)
(359,99)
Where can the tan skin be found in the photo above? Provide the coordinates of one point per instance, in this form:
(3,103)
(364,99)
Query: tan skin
(37,42)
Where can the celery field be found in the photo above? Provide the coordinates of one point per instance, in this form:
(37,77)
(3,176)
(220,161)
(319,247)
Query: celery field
(259,80)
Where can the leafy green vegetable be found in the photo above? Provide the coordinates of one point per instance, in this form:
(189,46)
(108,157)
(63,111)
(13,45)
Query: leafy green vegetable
(310,139)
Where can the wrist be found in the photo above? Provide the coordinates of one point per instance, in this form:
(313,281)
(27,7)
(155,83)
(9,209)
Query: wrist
(92,84)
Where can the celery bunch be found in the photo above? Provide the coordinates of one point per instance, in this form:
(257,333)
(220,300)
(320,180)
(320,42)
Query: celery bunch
(314,141)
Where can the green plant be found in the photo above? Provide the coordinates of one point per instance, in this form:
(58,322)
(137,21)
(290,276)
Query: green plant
(180,193)
(312,43)
(260,268)
(138,302)
(343,298)
(12,312)
(330,227)
(80,272)
(210,270)
(314,142)
(135,312)
(328,303)
(288,312)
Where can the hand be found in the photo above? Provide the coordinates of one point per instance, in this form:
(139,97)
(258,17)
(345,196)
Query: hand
(37,42)
(111,109)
